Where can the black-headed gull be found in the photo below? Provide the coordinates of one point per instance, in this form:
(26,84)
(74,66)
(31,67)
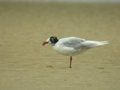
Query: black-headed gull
(72,45)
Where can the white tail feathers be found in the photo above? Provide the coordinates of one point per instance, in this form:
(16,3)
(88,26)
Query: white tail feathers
(102,43)
(91,44)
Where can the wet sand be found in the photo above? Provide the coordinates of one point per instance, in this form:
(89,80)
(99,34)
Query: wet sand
(26,65)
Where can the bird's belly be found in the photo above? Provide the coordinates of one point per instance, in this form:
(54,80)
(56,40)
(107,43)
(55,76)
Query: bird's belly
(67,51)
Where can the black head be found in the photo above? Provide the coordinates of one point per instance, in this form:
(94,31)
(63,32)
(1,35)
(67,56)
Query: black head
(53,40)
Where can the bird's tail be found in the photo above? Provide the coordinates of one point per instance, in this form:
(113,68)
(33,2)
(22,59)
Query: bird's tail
(91,44)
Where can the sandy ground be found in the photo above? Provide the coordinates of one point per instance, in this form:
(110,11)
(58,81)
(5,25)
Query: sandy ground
(26,65)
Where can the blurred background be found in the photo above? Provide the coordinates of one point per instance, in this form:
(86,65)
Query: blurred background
(26,65)
(64,0)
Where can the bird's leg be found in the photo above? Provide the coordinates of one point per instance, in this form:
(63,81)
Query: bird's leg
(70,62)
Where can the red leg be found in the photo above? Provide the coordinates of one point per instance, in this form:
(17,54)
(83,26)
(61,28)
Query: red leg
(70,62)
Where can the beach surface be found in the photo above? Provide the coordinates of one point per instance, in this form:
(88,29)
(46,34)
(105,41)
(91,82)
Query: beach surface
(27,65)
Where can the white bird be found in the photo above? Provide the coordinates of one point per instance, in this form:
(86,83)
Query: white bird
(71,46)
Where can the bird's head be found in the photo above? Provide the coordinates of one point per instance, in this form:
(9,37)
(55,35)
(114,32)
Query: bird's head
(52,40)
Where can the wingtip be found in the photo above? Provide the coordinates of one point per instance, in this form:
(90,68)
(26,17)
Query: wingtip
(105,42)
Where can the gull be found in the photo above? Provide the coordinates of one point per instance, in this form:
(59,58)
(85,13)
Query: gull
(71,46)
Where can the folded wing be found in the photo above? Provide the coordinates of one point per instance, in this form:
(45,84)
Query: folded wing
(79,43)
(73,42)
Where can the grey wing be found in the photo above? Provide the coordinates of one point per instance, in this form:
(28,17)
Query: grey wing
(73,42)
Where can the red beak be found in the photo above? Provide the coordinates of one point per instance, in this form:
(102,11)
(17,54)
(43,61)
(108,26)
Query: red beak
(45,43)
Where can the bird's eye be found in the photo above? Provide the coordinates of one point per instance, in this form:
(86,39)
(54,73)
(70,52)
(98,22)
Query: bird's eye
(52,39)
